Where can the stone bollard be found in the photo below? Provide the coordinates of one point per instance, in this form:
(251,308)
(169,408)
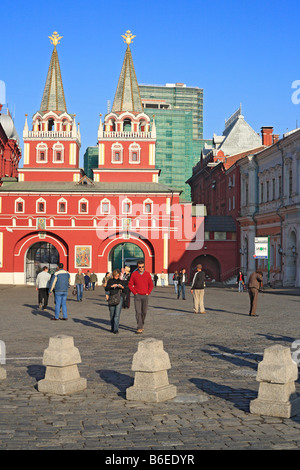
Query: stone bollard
(277,373)
(150,364)
(61,359)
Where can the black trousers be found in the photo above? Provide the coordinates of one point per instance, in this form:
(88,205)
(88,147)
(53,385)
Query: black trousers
(43,295)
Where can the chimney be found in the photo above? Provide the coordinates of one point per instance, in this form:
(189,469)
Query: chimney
(266,134)
(275,138)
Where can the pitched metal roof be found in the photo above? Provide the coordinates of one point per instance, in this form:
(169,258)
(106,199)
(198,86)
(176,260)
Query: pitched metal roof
(95,187)
(53,96)
(127,97)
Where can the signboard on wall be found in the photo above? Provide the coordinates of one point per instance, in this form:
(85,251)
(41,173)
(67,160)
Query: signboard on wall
(261,247)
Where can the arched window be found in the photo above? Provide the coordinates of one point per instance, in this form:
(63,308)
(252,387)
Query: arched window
(148,206)
(127,206)
(117,153)
(134,153)
(58,153)
(19,205)
(62,206)
(105,206)
(142,126)
(83,206)
(50,124)
(41,206)
(41,153)
(127,125)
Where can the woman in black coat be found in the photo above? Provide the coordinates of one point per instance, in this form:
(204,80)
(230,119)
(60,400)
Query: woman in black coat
(114,291)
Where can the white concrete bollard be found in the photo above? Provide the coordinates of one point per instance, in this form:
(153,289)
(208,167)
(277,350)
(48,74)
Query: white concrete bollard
(277,373)
(150,364)
(61,359)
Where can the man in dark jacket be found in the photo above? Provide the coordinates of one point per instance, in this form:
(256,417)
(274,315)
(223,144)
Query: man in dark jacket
(182,282)
(60,282)
(197,289)
(254,285)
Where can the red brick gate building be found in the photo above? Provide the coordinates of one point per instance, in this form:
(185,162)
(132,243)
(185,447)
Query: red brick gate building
(55,213)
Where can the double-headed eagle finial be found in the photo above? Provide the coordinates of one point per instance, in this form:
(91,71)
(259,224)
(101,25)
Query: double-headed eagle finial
(55,38)
(128,37)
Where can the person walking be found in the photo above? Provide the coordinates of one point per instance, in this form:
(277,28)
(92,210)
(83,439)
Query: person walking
(87,280)
(254,285)
(175,281)
(155,279)
(141,285)
(93,279)
(61,283)
(114,295)
(197,290)
(126,277)
(162,279)
(105,279)
(240,281)
(79,284)
(182,281)
(42,286)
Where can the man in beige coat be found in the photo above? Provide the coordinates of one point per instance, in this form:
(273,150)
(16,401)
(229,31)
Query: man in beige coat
(254,285)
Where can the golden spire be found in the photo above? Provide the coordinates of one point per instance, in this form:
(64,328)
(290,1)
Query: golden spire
(128,37)
(54,39)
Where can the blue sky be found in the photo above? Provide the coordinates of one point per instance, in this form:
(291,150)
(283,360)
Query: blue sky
(237,51)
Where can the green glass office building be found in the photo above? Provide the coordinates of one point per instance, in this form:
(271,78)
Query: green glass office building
(178,111)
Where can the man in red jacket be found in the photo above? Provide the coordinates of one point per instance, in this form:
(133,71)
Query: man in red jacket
(141,285)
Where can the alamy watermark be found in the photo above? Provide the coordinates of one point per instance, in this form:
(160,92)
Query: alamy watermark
(182,222)
(296,93)
(2,92)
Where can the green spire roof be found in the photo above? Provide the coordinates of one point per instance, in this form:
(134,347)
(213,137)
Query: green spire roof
(53,96)
(127,97)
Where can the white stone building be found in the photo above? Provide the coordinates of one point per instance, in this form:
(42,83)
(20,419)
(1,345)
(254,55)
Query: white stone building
(270,206)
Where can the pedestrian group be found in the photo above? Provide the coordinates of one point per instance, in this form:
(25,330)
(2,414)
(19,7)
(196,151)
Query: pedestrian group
(119,284)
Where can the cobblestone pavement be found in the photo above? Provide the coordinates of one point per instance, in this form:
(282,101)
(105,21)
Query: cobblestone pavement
(214,360)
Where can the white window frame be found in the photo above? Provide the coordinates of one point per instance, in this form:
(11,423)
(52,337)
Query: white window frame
(41,147)
(37,205)
(147,201)
(127,201)
(85,201)
(58,204)
(105,201)
(116,148)
(17,201)
(134,148)
(58,147)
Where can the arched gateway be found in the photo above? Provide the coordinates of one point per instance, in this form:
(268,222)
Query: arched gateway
(38,255)
(125,254)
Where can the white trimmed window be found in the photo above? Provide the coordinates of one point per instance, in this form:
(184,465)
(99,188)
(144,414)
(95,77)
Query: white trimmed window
(58,153)
(117,153)
(42,153)
(61,206)
(19,205)
(41,206)
(148,206)
(126,206)
(83,206)
(105,206)
(134,153)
